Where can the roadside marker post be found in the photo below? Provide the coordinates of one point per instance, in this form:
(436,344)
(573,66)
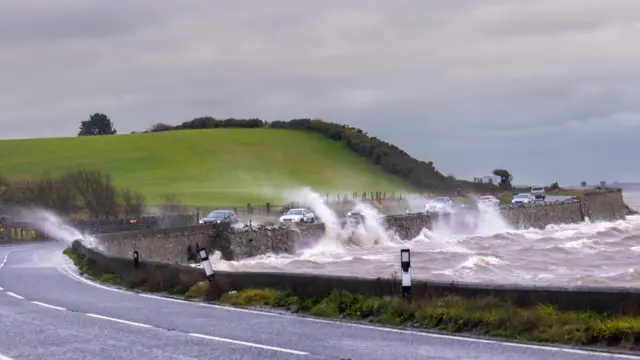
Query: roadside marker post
(136,259)
(204,259)
(405,264)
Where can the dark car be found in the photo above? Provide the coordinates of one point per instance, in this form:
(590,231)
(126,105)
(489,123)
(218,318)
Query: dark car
(220,216)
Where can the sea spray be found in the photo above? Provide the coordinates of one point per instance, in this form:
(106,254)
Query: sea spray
(415,203)
(471,220)
(372,231)
(309,198)
(54,226)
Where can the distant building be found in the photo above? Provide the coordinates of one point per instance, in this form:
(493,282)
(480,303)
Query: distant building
(489,179)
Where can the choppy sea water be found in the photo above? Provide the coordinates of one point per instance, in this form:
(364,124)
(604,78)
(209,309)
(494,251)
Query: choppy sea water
(600,254)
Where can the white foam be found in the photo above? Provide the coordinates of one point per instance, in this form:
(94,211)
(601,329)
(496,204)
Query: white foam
(54,226)
(309,198)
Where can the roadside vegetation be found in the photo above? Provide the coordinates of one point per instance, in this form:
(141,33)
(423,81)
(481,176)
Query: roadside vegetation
(87,192)
(486,316)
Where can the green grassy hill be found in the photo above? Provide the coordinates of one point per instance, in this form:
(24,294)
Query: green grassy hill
(205,167)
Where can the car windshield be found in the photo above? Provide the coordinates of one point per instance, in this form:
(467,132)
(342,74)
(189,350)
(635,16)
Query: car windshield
(486,198)
(536,189)
(217,215)
(295,212)
(522,196)
(440,200)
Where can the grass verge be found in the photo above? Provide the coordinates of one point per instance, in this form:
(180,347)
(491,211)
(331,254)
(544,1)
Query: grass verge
(481,316)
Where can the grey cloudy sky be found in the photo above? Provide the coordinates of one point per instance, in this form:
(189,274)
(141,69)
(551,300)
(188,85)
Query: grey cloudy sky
(548,89)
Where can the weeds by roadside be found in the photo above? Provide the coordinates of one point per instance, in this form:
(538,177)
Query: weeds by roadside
(107,278)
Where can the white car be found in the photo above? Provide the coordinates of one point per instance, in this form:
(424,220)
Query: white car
(489,201)
(439,205)
(539,193)
(299,215)
(524,198)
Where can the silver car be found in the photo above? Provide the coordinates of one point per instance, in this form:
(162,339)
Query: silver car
(524,198)
(439,205)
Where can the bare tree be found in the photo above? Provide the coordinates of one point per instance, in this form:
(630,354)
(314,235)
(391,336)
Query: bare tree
(133,201)
(171,205)
(5,187)
(96,192)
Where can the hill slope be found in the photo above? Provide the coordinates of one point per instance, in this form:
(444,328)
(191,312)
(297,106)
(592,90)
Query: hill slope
(205,167)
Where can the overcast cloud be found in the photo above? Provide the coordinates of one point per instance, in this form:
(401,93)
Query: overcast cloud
(549,89)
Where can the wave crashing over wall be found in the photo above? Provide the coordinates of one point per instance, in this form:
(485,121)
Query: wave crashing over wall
(471,247)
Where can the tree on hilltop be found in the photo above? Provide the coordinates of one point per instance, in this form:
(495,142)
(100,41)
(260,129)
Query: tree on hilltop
(505,178)
(98,124)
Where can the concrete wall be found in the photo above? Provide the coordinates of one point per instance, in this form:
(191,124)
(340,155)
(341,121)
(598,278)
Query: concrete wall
(170,245)
(165,277)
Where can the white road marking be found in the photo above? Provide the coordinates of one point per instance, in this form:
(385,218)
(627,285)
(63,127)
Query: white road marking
(1,289)
(216,306)
(48,306)
(3,357)
(92,283)
(14,295)
(119,320)
(163,298)
(376,328)
(274,348)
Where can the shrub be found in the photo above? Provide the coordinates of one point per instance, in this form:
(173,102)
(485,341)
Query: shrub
(133,203)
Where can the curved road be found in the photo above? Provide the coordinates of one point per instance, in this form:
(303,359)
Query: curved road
(47,311)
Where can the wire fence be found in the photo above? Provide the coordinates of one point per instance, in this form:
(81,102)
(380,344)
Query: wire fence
(270,209)
(190,215)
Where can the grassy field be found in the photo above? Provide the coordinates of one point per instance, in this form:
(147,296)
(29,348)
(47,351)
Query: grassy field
(205,167)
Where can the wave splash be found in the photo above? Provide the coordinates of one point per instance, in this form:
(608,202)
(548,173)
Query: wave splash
(53,226)
(471,247)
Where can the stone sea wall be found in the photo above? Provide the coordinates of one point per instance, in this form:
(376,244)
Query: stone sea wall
(176,245)
(158,276)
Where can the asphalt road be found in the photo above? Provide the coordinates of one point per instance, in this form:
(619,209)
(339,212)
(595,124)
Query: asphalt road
(554,198)
(47,311)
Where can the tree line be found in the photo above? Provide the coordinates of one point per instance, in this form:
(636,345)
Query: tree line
(79,191)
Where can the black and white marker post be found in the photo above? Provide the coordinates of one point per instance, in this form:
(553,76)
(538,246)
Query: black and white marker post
(405,263)
(136,259)
(204,259)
